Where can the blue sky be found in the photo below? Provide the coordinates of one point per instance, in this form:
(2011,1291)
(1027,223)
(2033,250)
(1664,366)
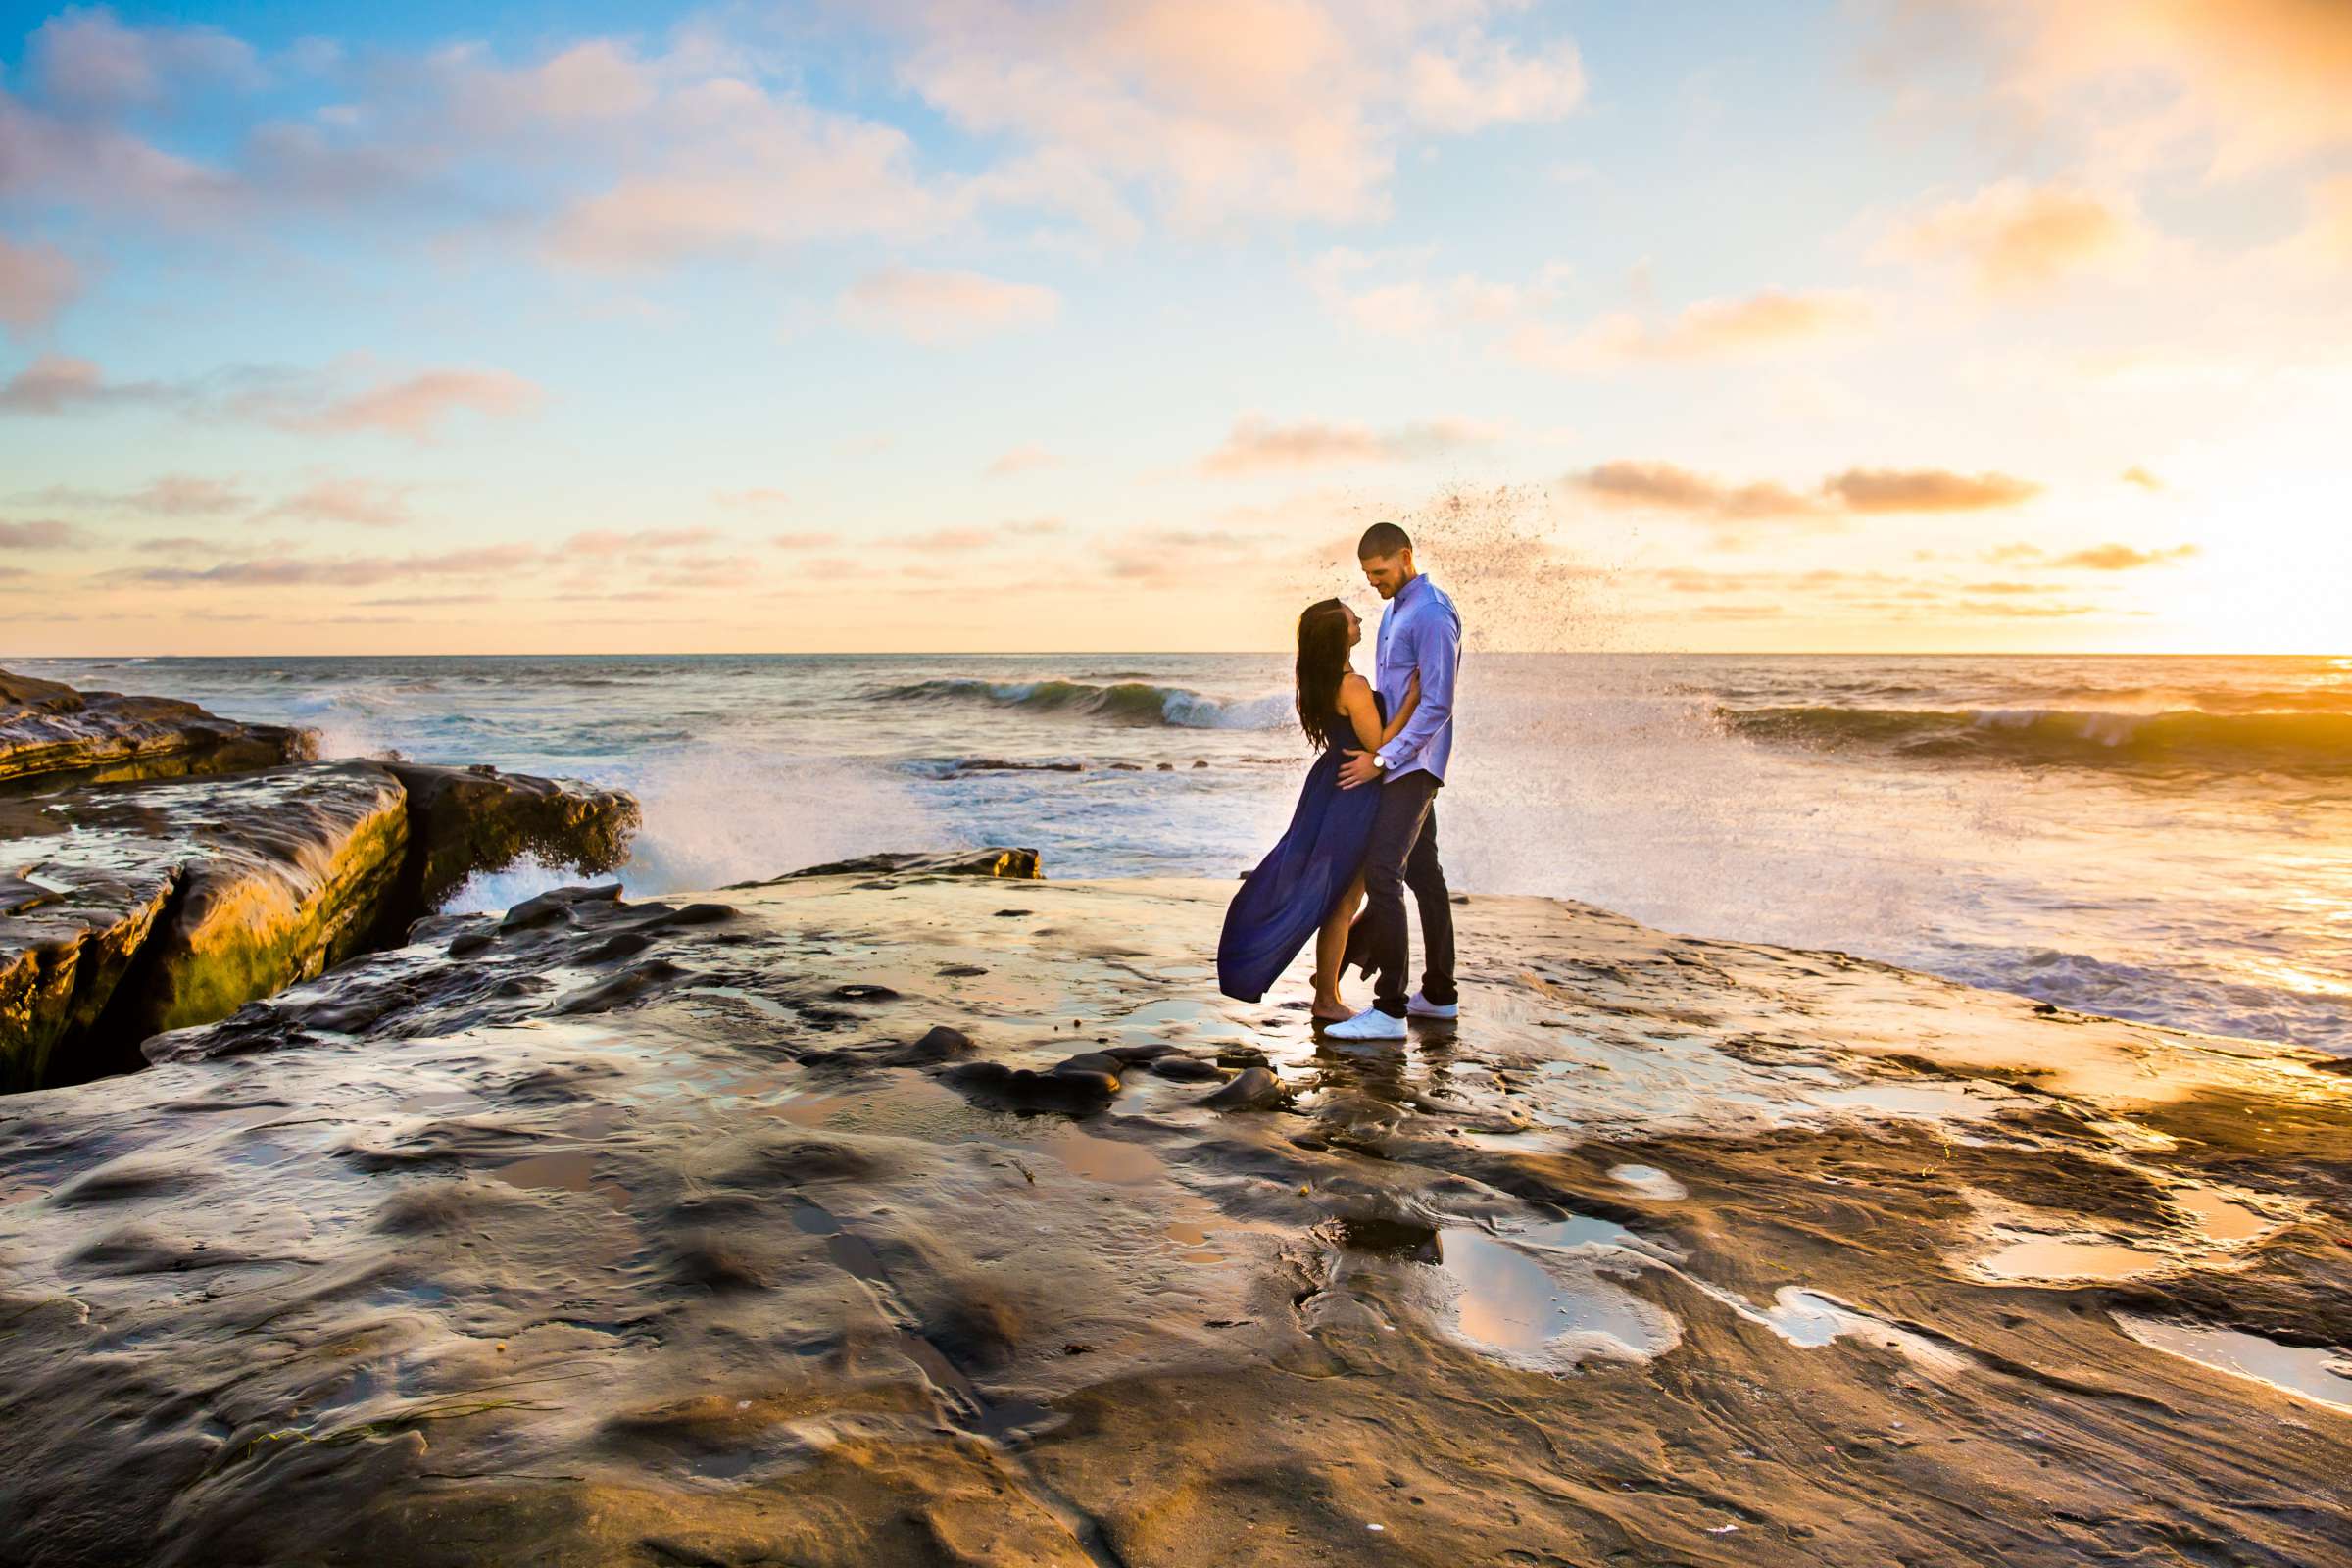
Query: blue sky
(1948,324)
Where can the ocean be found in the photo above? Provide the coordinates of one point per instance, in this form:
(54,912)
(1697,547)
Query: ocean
(2163,839)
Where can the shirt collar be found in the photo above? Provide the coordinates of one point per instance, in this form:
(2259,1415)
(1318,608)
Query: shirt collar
(1411,589)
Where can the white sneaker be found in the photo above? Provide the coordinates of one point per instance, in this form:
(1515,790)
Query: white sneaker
(1420,1007)
(1369,1024)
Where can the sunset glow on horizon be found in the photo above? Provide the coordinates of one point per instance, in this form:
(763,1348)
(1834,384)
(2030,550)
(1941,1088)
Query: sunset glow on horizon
(1969,325)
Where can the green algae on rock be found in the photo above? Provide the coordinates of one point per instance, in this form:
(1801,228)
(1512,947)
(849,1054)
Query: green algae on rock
(130,910)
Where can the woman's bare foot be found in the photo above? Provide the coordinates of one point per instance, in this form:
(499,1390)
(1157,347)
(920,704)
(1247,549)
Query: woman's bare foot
(1330,1010)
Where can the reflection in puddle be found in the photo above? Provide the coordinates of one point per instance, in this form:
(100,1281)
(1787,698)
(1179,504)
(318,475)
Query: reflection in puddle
(2315,1373)
(1103,1160)
(2046,1258)
(1812,1319)
(1536,1294)
(1649,1181)
(2219,1218)
(570,1172)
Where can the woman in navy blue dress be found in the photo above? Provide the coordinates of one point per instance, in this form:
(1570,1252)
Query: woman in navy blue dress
(1311,882)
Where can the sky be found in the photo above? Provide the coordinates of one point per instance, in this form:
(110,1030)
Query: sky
(993,324)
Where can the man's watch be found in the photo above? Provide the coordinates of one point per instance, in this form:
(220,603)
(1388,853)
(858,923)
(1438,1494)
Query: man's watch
(1379,761)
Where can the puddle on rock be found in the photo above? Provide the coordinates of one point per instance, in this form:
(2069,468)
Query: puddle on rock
(1103,1160)
(1812,1319)
(572,1172)
(1541,1296)
(2221,1218)
(1648,1181)
(2315,1373)
(2048,1258)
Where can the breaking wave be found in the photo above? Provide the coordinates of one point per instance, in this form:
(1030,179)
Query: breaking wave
(2304,743)
(1120,703)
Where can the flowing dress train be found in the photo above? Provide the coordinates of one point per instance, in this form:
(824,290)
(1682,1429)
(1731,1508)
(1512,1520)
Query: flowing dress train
(1282,904)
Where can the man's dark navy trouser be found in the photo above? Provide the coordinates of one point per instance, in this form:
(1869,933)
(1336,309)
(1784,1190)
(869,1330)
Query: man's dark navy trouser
(1404,853)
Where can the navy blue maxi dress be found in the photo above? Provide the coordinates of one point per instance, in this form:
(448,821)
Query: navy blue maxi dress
(1283,902)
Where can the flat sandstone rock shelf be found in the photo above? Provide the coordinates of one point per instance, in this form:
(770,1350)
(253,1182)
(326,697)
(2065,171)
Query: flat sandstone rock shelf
(896,1216)
(46,728)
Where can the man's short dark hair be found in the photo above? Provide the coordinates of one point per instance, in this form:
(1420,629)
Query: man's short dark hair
(1382,539)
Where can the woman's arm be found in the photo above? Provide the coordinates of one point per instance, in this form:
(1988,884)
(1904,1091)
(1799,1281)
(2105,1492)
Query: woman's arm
(1363,712)
(1404,710)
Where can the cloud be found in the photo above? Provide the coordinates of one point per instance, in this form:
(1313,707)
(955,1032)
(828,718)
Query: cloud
(600,543)
(56,384)
(360,502)
(416,406)
(85,59)
(1021,460)
(1223,110)
(2247,83)
(1415,307)
(37,281)
(1876,490)
(1256,444)
(1487,83)
(2136,474)
(2123,558)
(946,541)
(803,541)
(1706,329)
(312,402)
(1663,487)
(940,308)
(175,495)
(2018,238)
(43,535)
(488,561)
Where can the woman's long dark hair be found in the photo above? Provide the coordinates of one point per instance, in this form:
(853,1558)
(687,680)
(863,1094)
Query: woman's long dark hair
(1322,665)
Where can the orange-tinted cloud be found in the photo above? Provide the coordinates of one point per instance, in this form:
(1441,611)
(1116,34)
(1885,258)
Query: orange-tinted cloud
(803,541)
(940,308)
(1224,109)
(1021,460)
(1706,329)
(360,502)
(2136,474)
(2250,82)
(416,406)
(1256,444)
(2123,558)
(37,281)
(2016,238)
(1873,490)
(604,542)
(1664,487)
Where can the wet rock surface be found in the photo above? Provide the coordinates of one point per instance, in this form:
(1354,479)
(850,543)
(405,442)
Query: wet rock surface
(131,908)
(1670,1252)
(47,728)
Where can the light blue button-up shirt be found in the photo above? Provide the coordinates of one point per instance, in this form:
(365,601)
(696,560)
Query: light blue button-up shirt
(1420,630)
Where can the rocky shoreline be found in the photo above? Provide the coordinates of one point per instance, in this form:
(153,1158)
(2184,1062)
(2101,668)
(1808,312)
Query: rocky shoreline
(915,1210)
(161,867)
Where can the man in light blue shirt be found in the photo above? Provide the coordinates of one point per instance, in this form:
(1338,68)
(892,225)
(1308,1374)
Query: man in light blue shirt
(1420,634)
